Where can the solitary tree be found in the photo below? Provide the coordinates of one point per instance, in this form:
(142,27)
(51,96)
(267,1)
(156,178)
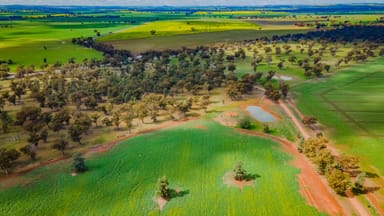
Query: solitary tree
(162,188)
(78,163)
(239,173)
(245,123)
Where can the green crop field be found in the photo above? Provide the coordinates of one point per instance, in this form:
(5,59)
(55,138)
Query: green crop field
(177,27)
(194,157)
(238,13)
(351,103)
(24,41)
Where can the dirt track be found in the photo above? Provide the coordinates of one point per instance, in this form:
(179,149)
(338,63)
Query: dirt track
(312,187)
(353,201)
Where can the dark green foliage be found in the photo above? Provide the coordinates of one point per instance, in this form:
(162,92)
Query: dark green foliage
(7,159)
(266,129)
(81,125)
(162,188)
(358,185)
(239,173)
(245,123)
(79,163)
(5,120)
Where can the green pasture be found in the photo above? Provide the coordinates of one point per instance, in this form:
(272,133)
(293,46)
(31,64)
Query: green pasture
(350,104)
(24,41)
(194,157)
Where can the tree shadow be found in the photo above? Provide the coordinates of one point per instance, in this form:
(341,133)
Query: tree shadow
(251,177)
(177,193)
(366,190)
(371,189)
(371,175)
(213,111)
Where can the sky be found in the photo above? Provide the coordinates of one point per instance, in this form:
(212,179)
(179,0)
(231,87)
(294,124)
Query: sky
(181,2)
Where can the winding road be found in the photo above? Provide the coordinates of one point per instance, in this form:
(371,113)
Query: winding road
(353,201)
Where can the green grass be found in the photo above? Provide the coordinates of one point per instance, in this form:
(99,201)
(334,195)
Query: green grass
(350,104)
(177,27)
(123,181)
(24,42)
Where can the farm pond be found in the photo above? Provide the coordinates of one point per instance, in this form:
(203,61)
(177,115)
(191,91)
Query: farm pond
(259,114)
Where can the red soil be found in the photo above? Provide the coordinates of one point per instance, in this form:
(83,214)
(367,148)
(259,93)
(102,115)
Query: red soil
(229,180)
(355,203)
(316,192)
(160,201)
(198,126)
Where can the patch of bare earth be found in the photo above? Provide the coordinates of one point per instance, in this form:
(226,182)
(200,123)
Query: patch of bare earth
(229,180)
(202,127)
(228,119)
(160,202)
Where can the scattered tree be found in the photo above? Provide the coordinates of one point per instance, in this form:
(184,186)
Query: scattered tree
(7,159)
(79,163)
(239,173)
(162,188)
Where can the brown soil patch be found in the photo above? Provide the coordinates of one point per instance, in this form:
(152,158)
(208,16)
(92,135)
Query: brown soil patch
(198,126)
(228,119)
(160,202)
(74,174)
(229,180)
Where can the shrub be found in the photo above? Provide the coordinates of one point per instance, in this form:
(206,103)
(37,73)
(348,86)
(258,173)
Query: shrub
(266,129)
(245,123)
(162,188)
(239,173)
(78,163)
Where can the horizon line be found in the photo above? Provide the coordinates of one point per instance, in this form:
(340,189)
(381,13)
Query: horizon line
(180,6)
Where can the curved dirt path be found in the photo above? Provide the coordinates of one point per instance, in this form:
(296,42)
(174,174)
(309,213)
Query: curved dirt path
(316,192)
(298,124)
(353,201)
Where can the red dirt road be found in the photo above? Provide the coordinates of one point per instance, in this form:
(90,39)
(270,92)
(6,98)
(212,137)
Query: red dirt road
(353,201)
(312,187)
(298,125)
